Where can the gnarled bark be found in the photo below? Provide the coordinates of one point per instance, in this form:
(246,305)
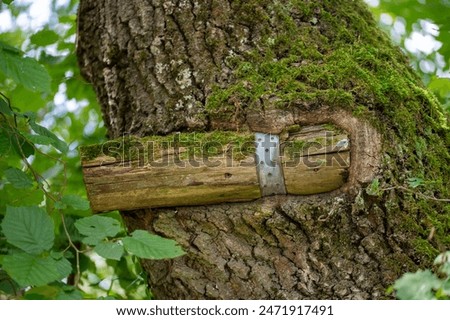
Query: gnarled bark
(185,65)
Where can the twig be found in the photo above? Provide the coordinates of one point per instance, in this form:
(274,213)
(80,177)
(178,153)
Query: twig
(77,251)
(41,181)
(416,192)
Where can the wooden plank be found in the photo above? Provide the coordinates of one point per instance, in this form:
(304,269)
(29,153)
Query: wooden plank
(128,187)
(312,162)
(316,159)
(308,178)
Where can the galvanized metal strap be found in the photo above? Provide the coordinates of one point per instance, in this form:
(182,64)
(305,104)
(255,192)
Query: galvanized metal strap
(270,173)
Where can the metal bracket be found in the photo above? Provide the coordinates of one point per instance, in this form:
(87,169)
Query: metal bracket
(270,174)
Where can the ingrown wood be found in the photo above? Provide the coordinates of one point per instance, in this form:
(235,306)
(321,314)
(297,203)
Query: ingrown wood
(316,160)
(311,160)
(308,178)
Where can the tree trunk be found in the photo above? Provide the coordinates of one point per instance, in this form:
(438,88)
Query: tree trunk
(265,66)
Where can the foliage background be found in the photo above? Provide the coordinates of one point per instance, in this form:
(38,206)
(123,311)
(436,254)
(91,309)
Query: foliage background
(51,246)
(422,29)
(67,108)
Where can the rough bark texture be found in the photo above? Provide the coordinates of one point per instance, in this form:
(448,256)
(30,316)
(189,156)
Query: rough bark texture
(162,66)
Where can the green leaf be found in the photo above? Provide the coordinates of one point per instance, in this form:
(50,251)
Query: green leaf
(24,99)
(28,197)
(7,1)
(97,228)
(374,188)
(76,202)
(69,293)
(31,270)
(21,146)
(64,267)
(442,258)
(415,182)
(44,37)
(417,286)
(149,246)
(28,228)
(445,289)
(6,47)
(56,255)
(42,293)
(42,131)
(24,70)
(4,107)
(7,285)
(440,86)
(5,143)
(60,206)
(38,139)
(443,261)
(18,178)
(109,250)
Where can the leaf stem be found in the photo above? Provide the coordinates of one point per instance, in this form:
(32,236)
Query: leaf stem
(416,192)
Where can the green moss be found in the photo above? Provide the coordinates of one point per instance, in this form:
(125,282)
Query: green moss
(332,127)
(188,145)
(295,148)
(306,57)
(297,63)
(425,249)
(293,129)
(397,262)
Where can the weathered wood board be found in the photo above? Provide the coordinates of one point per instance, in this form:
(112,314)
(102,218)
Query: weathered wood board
(181,175)
(113,186)
(320,163)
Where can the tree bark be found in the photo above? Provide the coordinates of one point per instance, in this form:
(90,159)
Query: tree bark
(265,66)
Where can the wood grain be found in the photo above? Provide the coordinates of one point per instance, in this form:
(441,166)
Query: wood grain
(124,186)
(310,160)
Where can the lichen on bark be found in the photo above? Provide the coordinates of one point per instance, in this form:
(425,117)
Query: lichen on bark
(166,66)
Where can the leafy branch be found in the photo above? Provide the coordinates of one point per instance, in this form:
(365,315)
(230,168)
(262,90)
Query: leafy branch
(37,255)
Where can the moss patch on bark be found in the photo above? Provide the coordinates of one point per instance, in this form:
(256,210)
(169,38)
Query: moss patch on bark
(308,55)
